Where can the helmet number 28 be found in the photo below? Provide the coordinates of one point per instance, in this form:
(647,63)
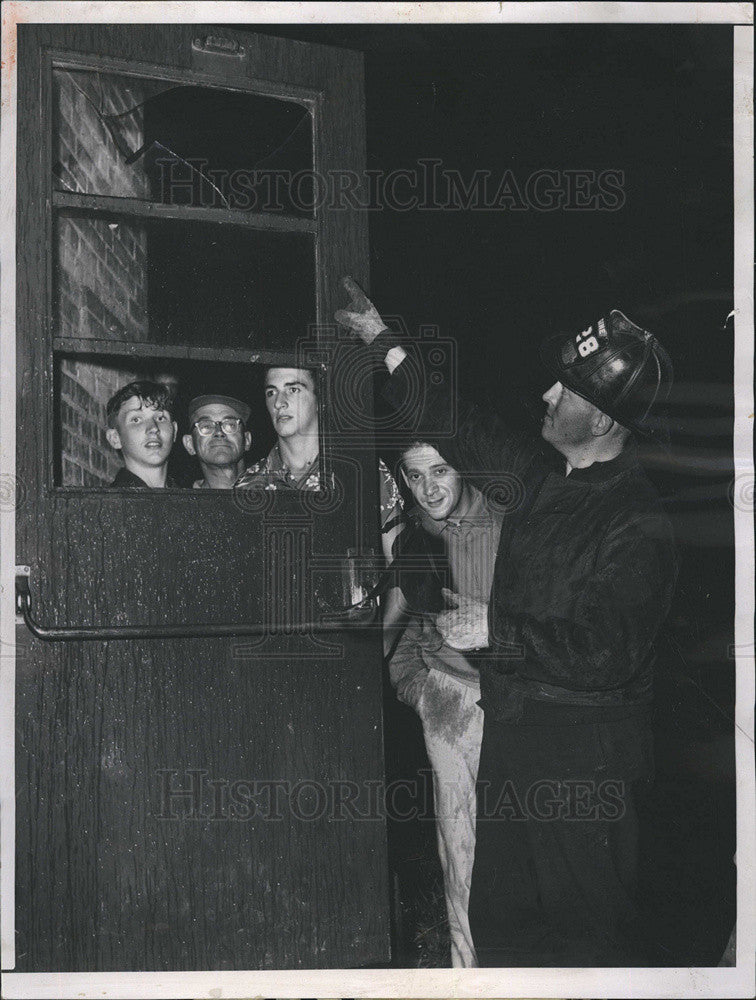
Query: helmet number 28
(586,343)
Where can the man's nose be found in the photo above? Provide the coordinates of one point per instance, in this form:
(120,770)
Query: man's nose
(279,401)
(431,488)
(218,430)
(552,395)
(152,425)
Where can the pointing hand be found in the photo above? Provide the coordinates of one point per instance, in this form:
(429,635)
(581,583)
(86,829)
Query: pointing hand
(361,316)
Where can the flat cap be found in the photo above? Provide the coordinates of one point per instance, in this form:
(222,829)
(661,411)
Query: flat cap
(240,408)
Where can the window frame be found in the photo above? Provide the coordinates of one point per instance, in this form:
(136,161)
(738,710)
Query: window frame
(56,202)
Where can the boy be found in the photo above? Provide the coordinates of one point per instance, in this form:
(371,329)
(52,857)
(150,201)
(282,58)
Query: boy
(142,428)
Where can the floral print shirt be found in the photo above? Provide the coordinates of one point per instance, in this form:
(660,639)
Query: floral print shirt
(271,473)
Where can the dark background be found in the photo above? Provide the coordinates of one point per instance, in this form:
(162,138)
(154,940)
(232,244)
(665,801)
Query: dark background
(656,103)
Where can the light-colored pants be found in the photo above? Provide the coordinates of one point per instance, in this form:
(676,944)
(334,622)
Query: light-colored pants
(453,728)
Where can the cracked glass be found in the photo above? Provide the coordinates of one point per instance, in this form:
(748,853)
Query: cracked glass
(130,137)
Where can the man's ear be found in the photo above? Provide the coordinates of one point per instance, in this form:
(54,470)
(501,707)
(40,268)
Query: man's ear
(247,440)
(113,438)
(602,424)
(189,444)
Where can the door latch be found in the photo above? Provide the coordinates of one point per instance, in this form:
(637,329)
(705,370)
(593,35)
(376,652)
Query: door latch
(23,592)
(215,53)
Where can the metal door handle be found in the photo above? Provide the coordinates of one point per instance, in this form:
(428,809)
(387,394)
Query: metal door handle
(357,616)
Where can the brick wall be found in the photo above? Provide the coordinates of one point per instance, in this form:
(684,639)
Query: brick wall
(101,280)
(101,276)
(86,457)
(85,155)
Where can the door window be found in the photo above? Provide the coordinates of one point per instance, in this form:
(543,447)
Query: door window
(130,137)
(183,251)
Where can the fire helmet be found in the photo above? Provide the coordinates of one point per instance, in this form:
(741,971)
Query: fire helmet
(614,364)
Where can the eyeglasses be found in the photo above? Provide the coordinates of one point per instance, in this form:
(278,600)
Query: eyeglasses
(206,426)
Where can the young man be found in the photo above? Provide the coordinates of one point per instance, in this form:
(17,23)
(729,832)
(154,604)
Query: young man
(584,579)
(441,683)
(142,428)
(293,462)
(218,439)
(292,404)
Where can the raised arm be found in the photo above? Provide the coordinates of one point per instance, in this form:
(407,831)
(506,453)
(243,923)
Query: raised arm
(473,439)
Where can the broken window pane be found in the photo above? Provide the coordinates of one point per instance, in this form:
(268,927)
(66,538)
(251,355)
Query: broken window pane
(129,137)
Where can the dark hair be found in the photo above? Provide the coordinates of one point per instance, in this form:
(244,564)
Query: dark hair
(153,394)
(313,374)
(418,443)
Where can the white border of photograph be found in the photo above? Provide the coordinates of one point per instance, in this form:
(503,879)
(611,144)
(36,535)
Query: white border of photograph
(737,981)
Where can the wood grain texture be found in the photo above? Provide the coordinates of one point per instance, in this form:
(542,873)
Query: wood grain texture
(106,878)
(128,207)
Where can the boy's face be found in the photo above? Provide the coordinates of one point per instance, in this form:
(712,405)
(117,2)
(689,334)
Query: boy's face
(435,485)
(291,402)
(144,434)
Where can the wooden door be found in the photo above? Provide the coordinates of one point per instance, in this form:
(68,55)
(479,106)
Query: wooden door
(181,801)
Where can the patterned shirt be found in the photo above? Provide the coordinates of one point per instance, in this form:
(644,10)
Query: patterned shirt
(272,473)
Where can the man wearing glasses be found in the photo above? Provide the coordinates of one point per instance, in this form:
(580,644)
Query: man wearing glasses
(218,439)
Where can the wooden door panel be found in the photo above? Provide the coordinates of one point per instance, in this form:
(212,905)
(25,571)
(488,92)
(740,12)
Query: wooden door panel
(134,872)
(110,875)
